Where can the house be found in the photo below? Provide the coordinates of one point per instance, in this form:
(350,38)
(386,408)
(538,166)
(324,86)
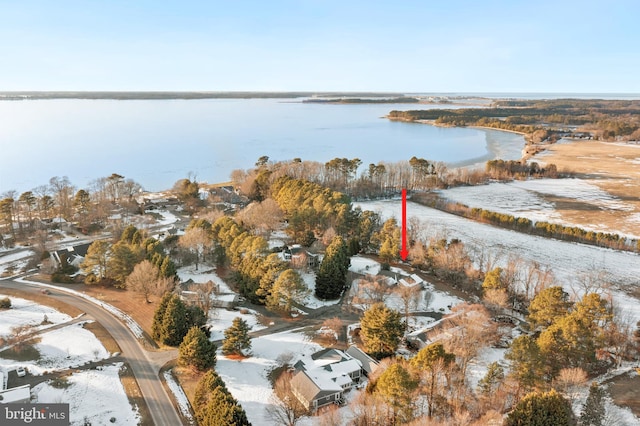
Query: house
(73,255)
(300,257)
(20,394)
(322,378)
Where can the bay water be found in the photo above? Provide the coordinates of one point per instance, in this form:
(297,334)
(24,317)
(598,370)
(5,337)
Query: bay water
(157,142)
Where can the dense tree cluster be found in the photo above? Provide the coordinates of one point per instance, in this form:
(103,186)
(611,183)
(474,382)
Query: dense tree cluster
(112,263)
(505,169)
(24,216)
(172,320)
(604,119)
(572,336)
(311,208)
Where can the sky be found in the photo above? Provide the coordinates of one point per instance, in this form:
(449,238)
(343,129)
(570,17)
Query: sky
(321,45)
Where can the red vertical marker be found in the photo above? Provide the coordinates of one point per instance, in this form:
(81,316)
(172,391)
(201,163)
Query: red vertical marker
(404,251)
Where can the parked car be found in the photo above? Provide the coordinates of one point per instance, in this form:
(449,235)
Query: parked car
(21,371)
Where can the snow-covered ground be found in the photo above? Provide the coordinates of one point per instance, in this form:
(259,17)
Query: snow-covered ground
(527,199)
(278,239)
(477,368)
(15,261)
(570,262)
(167,217)
(179,395)
(247,379)
(221,319)
(96,396)
(25,312)
(60,349)
(312,301)
(364,266)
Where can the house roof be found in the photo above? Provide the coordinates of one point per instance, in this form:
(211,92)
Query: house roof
(411,281)
(312,388)
(368,364)
(19,394)
(324,373)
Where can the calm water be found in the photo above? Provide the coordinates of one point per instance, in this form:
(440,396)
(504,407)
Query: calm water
(158,142)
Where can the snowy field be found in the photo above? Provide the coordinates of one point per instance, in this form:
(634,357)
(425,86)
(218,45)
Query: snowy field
(221,319)
(61,349)
(570,262)
(14,261)
(95,396)
(25,312)
(247,379)
(527,199)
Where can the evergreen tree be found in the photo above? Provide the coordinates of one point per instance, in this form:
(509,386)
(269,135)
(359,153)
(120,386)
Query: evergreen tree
(207,383)
(492,380)
(196,350)
(331,279)
(287,288)
(493,280)
(593,410)
(548,306)
(195,316)
(214,405)
(236,338)
(97,259)
(433,364)
(158,316)
(168,268)
(526,361)
(396,385)
(222,409)
(382,329)
(123,259)
(548,408)
(174,322)
(127,234)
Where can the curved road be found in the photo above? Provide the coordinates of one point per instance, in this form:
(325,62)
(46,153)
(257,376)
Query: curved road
(145,371)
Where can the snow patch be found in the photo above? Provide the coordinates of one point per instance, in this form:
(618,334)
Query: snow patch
(95,396)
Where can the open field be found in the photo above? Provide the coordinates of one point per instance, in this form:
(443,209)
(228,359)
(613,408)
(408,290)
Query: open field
(612,167)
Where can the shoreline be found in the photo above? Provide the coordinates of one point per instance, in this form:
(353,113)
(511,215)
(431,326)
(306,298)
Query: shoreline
(492,146)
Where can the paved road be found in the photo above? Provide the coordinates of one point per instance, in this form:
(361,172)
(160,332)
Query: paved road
(145,370)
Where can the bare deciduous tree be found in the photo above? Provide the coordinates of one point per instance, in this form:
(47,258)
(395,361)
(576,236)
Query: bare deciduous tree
(409,297)
(285,409)
(204,295)
(146,280)
(197,240)
(569,381)
(263,217)
(470,330)
(335,325)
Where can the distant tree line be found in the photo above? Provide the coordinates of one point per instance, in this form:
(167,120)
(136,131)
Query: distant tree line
(604,119)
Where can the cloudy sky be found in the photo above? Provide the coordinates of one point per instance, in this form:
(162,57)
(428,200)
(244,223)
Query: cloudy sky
(321,45)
